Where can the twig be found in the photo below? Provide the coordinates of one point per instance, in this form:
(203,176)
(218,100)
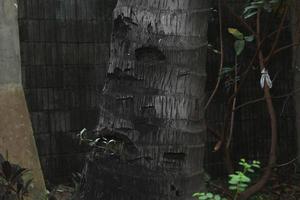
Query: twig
(287,163)
(263,98)
(285,47)
(277,36)
(233,105)
(242,22)
(249,102)
(221,55)
(221,189)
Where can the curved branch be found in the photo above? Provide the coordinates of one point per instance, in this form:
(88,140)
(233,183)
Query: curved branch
(221,56)
(273,122)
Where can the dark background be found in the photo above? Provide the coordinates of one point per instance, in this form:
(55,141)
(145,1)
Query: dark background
(65,52)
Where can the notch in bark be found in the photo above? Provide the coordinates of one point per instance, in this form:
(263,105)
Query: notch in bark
(149,53)
(122,25)
(120,74)
(174,156)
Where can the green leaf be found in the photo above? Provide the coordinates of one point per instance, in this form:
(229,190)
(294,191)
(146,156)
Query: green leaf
(232,187)
(255,165)
(217,197)
(250,14)
(245,179)
(239,46)
(236,33)
(198,194)
(243,185)
(248,8)
(234,180)
(209,195)
(226,70)
(251,170)
(258,2)
(202,197)
(18,175)
(249,38)
(256,161)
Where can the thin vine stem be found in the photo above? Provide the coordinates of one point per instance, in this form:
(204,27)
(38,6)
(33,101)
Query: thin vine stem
(221,55)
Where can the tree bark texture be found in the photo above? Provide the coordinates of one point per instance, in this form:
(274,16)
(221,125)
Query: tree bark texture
(153,97)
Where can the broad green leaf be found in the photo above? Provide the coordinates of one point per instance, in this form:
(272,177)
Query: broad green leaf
(239,46)
(236,33)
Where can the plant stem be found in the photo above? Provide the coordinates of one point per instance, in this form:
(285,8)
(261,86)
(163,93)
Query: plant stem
(272,157)
(233,104)
(221,55)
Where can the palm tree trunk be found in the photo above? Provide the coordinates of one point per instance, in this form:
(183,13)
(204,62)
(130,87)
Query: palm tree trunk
(154,93)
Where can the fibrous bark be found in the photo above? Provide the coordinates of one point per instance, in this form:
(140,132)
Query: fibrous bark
(153,97)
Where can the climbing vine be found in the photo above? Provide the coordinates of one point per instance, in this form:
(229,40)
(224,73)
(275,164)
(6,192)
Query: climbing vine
(251,33)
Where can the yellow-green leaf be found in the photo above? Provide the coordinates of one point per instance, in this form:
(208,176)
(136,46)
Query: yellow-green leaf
(236,33)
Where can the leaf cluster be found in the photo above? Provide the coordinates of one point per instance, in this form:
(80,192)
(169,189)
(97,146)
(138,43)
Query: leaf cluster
(208,196)
(240,41)
(105,145)
(253,6)
(15,182)
(238,181)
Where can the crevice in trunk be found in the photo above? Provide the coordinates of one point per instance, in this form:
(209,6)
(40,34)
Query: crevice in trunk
(174,156)
(149,54)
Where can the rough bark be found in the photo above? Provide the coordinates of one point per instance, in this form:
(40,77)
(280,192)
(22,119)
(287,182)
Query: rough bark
(153,97)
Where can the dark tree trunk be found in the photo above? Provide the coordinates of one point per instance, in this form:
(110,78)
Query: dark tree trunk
(295,27)
(152,101)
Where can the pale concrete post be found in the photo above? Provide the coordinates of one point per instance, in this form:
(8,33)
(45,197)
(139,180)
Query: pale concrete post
(16,135)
